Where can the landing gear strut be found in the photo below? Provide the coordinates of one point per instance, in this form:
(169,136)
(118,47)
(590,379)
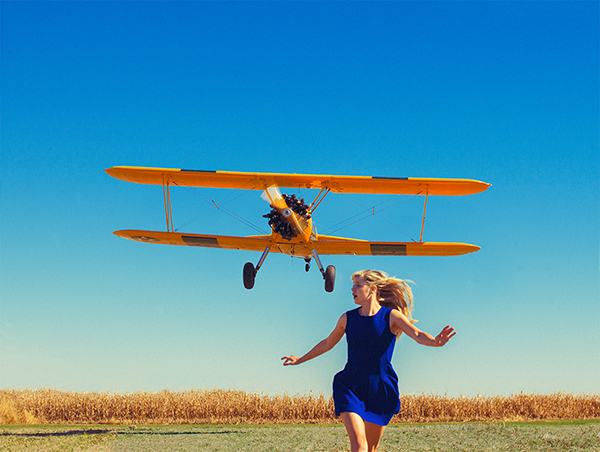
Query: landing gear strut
(250,271)
(328,275)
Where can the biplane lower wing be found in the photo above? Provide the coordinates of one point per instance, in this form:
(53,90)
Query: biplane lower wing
(324,245)
(257,243)
(340,245)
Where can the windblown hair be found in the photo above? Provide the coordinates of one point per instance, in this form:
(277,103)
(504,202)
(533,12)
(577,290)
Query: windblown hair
(392,292)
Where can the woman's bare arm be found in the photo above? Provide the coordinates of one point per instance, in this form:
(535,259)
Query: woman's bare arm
(399,322)
(324,346)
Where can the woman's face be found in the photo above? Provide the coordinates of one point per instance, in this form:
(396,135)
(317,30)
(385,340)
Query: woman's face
(360,290)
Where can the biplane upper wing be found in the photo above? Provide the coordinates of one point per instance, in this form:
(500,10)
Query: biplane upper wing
(339,245)
(260,181)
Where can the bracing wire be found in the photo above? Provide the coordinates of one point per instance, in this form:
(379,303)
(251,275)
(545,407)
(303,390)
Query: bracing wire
(360,216)
(368,212)
(220,207)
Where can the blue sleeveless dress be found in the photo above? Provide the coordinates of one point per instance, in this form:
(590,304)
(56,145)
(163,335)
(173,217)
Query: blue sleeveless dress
(368,384)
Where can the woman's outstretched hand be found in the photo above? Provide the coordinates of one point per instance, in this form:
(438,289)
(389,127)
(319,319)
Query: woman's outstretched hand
(290,360)
(444,336)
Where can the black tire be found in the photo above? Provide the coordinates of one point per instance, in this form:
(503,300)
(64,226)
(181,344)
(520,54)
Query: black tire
(329,278)
(249,275)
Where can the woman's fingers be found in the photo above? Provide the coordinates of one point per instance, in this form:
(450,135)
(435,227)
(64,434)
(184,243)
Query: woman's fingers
(445,335)
(289,360)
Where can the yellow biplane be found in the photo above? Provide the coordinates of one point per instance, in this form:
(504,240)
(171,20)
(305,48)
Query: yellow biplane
(292,230)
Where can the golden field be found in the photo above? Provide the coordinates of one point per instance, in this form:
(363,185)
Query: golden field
(50,406)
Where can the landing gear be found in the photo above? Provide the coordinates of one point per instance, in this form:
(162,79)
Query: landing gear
(329,278)
(249,275)
(328,275)
(250,271)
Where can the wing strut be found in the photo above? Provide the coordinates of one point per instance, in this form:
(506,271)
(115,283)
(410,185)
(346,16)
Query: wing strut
(168,211)
(326,190)
(424,210)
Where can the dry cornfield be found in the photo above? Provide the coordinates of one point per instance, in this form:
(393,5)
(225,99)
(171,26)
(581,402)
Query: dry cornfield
(49,406)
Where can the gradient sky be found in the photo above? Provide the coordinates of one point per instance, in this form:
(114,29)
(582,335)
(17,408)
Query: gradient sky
(503,92)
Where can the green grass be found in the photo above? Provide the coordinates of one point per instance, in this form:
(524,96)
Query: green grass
(530,436)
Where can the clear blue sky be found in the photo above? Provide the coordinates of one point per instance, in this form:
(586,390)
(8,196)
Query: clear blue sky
(504,92)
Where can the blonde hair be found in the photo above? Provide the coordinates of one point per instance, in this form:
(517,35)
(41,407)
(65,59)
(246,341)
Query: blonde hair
(392,292)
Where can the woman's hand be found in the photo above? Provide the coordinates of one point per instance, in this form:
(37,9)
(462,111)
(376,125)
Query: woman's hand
(444,336)
(290,360)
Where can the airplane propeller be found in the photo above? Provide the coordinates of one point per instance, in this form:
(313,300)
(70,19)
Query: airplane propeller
(288,221)
(274,197)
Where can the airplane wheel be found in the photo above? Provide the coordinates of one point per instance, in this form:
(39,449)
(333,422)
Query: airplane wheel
(329,278)
(307,267)
(249,275)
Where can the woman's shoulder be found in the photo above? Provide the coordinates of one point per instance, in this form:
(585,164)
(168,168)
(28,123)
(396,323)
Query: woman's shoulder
(386,311)
(352,312)
(396,315)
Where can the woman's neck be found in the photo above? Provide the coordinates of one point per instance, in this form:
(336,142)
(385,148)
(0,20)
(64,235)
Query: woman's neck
(369,308)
